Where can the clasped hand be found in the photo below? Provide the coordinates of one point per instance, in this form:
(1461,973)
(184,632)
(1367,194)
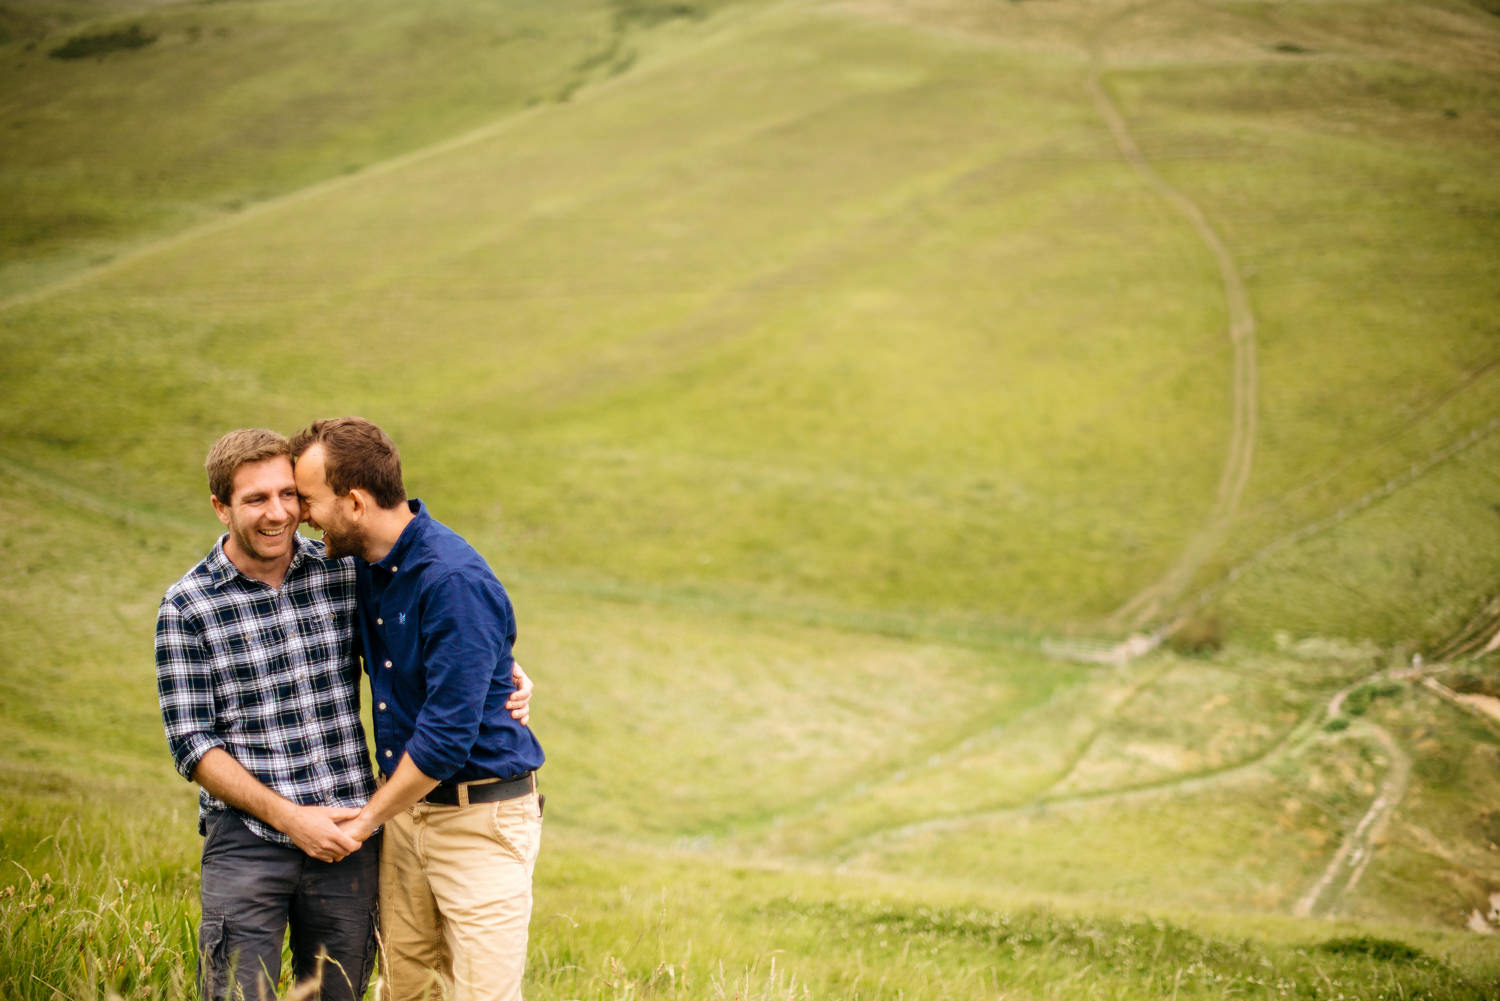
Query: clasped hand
(331,833)
(318,831)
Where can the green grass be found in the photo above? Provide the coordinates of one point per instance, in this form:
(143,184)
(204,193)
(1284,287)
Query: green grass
(948,317)
(817,377)
(113,913)
(237,103)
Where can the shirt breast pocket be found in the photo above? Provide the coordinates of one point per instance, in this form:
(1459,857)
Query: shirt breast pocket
(329,629)
(247,672)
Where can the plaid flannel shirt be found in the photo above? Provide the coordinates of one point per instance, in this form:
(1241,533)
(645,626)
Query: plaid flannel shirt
(270,676)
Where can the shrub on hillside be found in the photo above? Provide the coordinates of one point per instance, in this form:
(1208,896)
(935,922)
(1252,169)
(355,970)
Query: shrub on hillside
(1198,635)
(650,13)
(1360,699)
(83,46)
(1384,949)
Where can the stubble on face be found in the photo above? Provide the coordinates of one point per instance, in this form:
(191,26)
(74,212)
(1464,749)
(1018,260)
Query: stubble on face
(342,540)
(321,509)
(263,513)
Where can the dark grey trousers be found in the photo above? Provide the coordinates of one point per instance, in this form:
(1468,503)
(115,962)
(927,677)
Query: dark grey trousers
(254,891)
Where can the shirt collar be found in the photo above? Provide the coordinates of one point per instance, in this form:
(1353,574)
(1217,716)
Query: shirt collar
(410,538)
(222,570)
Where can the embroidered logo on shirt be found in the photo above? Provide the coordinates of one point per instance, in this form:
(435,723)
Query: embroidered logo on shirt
(401,618)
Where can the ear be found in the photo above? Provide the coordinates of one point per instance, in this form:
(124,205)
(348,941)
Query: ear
(360,502)
(221,509)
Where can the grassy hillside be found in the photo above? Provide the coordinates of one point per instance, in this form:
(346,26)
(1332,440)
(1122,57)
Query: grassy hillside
(898,293)
(228,104)
(833,385)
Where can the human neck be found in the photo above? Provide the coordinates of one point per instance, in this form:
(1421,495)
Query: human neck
(384,530)
(270,572)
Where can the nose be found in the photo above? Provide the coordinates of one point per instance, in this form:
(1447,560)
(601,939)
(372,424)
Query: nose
(281,509)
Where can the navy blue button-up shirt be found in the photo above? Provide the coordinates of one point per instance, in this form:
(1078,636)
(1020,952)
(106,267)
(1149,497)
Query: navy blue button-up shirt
(438,632)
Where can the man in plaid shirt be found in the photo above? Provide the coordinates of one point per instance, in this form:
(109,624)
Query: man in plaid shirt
(258,677)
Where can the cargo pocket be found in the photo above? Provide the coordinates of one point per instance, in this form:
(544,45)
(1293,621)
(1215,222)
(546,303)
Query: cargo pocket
(213,959)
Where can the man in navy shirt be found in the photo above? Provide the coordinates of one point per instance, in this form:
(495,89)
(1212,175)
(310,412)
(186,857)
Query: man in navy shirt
(458,794)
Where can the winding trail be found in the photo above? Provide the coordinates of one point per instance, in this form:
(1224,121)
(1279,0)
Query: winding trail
(1104,707)
(1344,869)
(1355,851)
(1149,603)
(1482,710)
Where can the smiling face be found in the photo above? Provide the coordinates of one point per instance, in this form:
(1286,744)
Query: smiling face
(262,516)
(325,510)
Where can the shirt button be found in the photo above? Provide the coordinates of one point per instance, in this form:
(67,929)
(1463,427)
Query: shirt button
(380,622)
(394,569)
(388,665)
(382,707)
(387,753)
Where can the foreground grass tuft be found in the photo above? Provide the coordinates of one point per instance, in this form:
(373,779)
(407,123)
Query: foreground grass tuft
(1384,949)
(1139,957)
(94,913)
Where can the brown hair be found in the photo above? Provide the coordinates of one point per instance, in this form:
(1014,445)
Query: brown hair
(236,449)
(356,453)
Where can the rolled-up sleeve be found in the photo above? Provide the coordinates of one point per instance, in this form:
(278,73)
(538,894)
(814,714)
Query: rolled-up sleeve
(467,634)
(184,686)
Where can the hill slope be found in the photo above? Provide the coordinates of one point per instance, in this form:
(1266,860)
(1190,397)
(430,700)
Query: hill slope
(814,375)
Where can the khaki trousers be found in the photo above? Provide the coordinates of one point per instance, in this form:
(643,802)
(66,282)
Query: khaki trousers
(455,899)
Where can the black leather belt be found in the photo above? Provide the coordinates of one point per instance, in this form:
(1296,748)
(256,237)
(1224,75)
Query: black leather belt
(482,791)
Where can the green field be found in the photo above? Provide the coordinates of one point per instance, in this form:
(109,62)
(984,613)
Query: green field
(838,387)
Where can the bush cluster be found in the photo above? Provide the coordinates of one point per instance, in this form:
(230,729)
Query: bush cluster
(1199,635)
(1360,699)
(83,46)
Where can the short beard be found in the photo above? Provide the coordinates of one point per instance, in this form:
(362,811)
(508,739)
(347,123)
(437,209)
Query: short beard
(350,542)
